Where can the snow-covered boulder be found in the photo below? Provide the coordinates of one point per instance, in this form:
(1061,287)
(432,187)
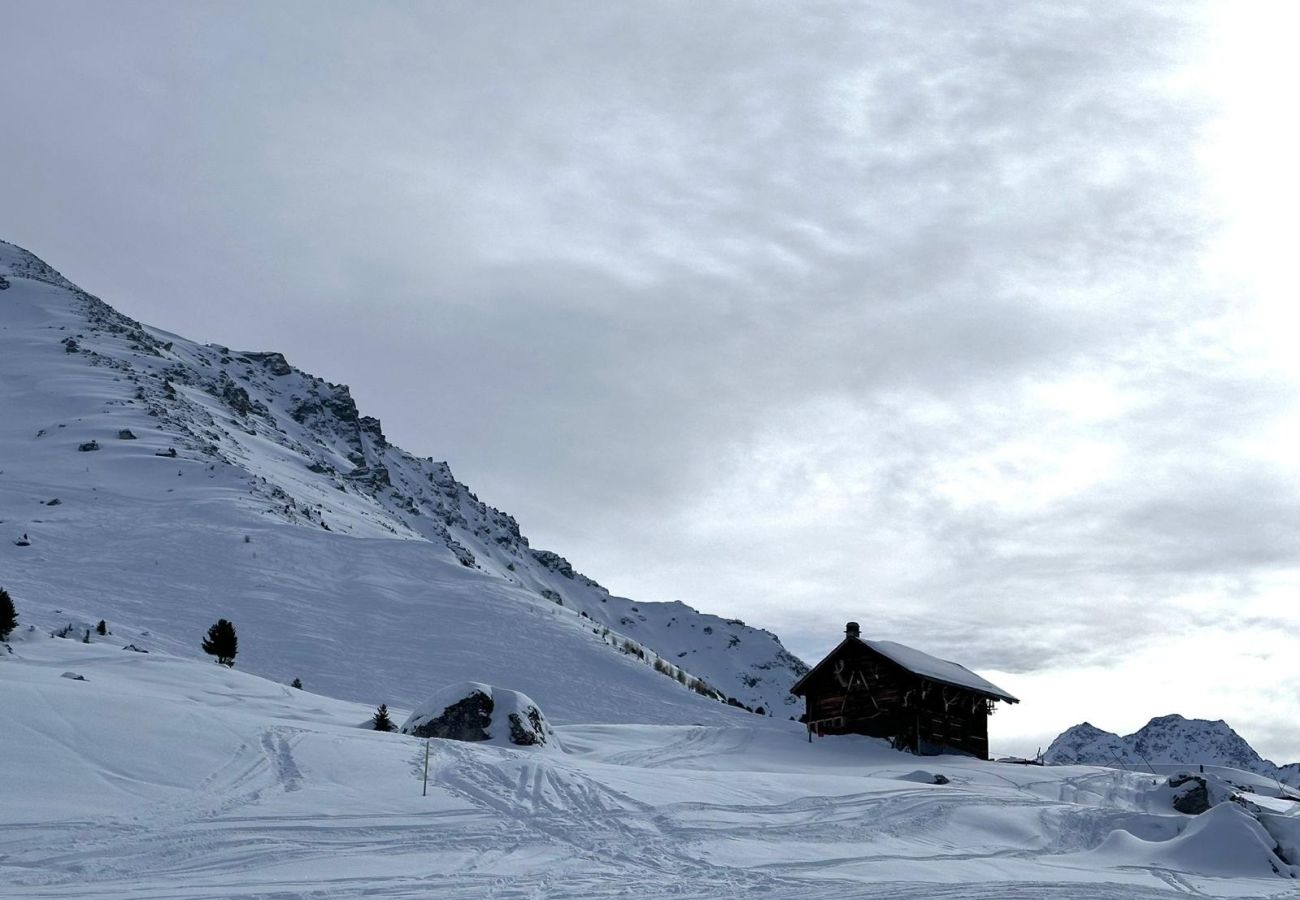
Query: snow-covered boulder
(472,711)
(1197,793)
(921,776)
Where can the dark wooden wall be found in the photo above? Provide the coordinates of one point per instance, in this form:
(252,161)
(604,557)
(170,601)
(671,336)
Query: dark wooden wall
(861,692)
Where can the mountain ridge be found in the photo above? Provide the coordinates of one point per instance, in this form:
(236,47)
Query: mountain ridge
(1165,740)
(280,447)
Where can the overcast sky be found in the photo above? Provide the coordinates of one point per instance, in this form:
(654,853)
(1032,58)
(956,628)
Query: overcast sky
(970,321)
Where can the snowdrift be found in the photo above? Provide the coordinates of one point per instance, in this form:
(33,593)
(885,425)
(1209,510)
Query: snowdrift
(1225,842)
(161,778)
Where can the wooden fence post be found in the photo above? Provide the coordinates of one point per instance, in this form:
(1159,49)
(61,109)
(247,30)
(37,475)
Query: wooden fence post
(425,792)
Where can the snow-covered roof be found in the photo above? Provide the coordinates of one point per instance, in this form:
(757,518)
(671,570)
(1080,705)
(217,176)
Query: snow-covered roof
(922,664)
(935,669)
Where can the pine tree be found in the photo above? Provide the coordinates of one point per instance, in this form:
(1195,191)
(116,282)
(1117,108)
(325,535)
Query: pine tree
(8,615)
(381,722)
(297,682)
(222,643)
(101,628)
(86,639)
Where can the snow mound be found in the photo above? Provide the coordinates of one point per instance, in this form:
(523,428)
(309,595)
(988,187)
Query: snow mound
(1282,824)
(472,711)
(921,776)
(1225,842)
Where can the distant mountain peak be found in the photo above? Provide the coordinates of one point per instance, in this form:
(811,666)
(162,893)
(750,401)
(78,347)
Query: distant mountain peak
(1165,740)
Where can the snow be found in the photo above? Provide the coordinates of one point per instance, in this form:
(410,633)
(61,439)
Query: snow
(163,777)
(368,572)
(374,576)
(1225,841)
(1171,743)
(940,670)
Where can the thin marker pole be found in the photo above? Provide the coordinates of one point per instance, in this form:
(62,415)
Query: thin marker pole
(425,793)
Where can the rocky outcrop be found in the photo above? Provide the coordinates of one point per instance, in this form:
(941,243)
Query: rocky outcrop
(1193,796)
(274,363)
(472,711)
(466,719)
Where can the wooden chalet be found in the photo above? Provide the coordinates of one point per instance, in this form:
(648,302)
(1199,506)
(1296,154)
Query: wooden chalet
(883,689)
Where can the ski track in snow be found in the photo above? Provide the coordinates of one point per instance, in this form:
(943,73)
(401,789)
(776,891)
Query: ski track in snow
(243,788)
(277,794)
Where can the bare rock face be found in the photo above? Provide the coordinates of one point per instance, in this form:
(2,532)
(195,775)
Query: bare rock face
(471,711)
(275,363)
(1194,798)
(528,729)
(468,719)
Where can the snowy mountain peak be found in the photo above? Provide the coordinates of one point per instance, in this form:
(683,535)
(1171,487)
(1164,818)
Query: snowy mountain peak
(1081,733)
(195,446)
(1165,740)
(19,263)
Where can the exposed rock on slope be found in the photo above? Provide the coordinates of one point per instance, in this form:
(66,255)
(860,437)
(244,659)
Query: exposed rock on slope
(471,711)
(352,534)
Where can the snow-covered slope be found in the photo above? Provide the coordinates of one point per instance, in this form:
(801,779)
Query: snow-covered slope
(1165,741)
(159,777)
(168,483)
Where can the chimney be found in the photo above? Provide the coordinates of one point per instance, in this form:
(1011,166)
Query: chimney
(852,630)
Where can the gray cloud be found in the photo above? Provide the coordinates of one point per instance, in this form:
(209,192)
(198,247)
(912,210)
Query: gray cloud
(887,311)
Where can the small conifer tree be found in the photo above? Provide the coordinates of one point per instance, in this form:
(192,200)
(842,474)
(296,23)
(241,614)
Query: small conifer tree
(222,643)
(8,615)
(381,722)
(297,682)
(86,639)
(101,628)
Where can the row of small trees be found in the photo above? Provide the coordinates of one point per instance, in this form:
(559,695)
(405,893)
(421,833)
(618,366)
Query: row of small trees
(221,641)
(9,620)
